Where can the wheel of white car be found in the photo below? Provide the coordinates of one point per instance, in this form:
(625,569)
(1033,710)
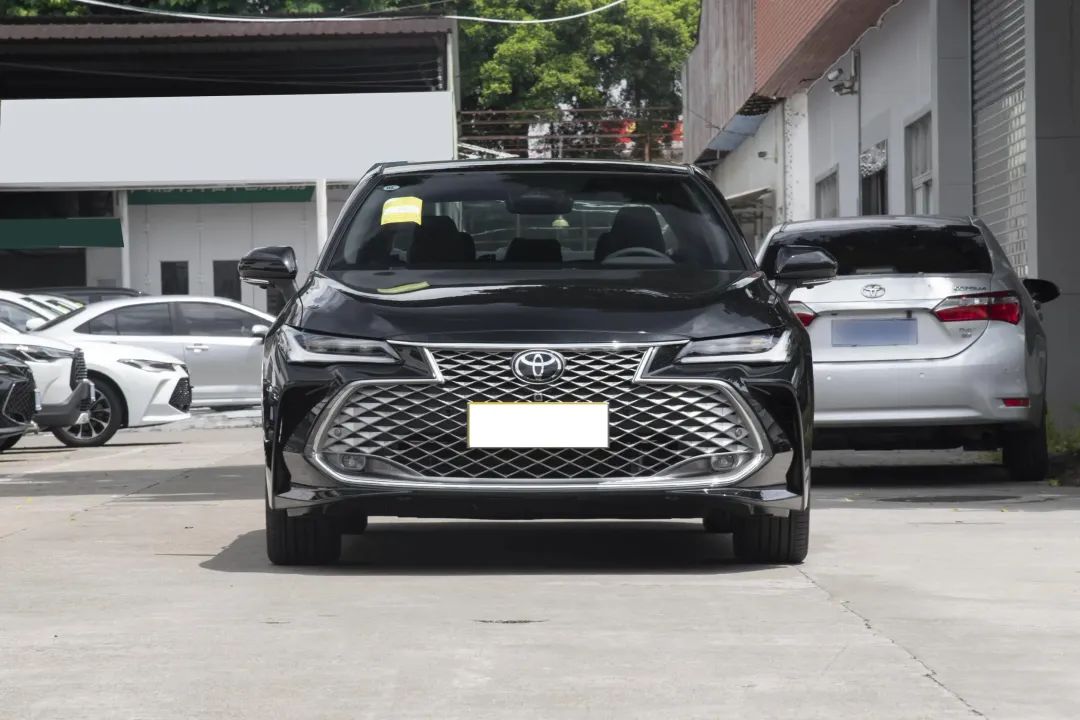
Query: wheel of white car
(105,418)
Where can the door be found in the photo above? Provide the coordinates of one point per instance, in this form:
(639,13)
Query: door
(223,356)
(145,325)
(999,100)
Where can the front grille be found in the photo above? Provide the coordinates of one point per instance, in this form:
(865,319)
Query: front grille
(19,405)
(653,427)
(181,395)
(78,369)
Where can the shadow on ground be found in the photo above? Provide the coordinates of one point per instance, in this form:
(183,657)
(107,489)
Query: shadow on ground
(508,548)
(241,482)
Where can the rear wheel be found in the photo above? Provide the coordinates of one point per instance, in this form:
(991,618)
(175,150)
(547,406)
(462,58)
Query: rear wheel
(305,540)
(1025,455)
(768,539)
(104,418)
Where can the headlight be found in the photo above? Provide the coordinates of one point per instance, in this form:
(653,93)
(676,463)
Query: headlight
(768,347)
(312,347)
(37,353)
(150,365)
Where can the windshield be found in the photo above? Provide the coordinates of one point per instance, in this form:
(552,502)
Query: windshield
(62,318)
(894,250)
(479,219)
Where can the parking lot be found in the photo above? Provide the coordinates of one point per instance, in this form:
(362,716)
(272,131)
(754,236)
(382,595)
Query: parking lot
(931,591)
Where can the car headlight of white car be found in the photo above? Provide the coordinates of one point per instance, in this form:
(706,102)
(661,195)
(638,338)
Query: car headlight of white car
(37,353)
(153,365)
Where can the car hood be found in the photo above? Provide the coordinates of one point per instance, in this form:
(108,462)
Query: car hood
(566,305)
(34,340)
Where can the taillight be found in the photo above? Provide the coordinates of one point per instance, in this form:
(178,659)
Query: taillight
(1001,306)
(804,313)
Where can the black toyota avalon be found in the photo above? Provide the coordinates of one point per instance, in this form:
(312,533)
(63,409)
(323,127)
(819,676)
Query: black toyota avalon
(537,339)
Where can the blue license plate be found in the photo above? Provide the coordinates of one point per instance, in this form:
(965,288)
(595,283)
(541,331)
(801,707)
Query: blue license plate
(874,333)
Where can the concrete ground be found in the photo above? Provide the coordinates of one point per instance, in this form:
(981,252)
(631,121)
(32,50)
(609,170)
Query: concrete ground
(133,584)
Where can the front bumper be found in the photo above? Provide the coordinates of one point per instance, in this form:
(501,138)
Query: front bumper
(69,412)
(299,481)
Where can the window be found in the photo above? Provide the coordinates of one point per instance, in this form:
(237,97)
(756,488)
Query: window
(827,195)
(873,171)
(174,277)
(920,166)
(214,320)
(895,249)
(150,319)
(470,220)
(227,279)
(16,316)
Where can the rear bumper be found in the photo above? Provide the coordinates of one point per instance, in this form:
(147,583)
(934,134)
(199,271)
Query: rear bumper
(66,414)
(966,389)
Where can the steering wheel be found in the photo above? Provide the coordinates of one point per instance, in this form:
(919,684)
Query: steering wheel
(637,250)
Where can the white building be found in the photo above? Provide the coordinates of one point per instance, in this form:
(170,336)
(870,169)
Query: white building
(154,155)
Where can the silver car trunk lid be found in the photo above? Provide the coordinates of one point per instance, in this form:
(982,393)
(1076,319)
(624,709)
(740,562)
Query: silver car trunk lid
(889,317)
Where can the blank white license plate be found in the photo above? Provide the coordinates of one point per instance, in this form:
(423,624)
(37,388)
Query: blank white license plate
(538,425)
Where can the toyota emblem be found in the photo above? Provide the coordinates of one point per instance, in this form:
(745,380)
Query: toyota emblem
(873,291)
(538,366)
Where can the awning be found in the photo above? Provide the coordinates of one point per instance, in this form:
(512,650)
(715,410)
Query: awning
(222,195)
(748,197)
(60,232)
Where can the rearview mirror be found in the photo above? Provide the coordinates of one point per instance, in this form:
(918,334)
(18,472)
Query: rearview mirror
(259,331)
(1041,291)
(268,267)
(800,265)
(540,201)
(35,323)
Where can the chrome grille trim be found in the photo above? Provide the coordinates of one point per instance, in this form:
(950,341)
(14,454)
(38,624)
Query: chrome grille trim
(401,475)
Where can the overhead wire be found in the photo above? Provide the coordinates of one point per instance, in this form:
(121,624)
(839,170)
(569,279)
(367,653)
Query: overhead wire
(349,18)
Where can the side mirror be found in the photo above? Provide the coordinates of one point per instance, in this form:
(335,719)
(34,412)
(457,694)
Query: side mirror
(1041,291)
(802,266)
(268,267)
(259,331)
(35,323)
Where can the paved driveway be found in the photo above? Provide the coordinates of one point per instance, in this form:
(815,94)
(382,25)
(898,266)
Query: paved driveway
(133,584)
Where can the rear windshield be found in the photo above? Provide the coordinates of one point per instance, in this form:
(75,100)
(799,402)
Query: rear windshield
(478,219)
(895,250)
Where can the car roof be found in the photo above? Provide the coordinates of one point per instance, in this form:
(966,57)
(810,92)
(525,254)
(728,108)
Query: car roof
(874,221)
(523,164)
(99,307)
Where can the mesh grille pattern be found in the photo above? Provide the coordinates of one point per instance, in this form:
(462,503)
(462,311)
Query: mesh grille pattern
(181,395)
(423,427)
(78,369)
(19,405)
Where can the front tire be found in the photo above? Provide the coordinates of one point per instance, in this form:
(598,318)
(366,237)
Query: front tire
(769,539)
(305,540)
(106,417)
(1025,455)
(9,442)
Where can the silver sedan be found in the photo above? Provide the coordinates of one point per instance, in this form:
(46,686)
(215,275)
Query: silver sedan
(927,338)
(219,340)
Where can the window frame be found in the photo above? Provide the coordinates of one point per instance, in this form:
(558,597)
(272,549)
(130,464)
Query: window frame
(920,184)
(179,320)
(834,177)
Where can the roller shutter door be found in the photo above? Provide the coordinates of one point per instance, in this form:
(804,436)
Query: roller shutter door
(999,100)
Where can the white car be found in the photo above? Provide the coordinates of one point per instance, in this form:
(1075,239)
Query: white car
(219,340)
(59,305)
(22,312)
(132,387)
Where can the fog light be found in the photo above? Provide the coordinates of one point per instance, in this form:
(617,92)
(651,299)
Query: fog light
(353,462)
(723,463)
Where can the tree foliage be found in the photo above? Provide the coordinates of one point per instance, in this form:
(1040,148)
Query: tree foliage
(629,55)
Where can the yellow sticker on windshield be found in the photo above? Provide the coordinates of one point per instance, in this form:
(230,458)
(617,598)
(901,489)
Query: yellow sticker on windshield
(402,210)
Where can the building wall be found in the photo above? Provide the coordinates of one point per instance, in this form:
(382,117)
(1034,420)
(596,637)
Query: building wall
(895,90)
(1055,33)
(745,169)
(719,75)
(780,27)
(167,141)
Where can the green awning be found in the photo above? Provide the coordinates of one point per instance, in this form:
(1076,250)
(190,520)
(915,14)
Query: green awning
(226,195)
(60,232)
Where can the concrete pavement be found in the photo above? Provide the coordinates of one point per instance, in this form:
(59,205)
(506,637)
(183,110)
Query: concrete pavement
(133,584)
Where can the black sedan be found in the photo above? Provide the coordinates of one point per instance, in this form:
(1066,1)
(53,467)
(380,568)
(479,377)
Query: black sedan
(526,339)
